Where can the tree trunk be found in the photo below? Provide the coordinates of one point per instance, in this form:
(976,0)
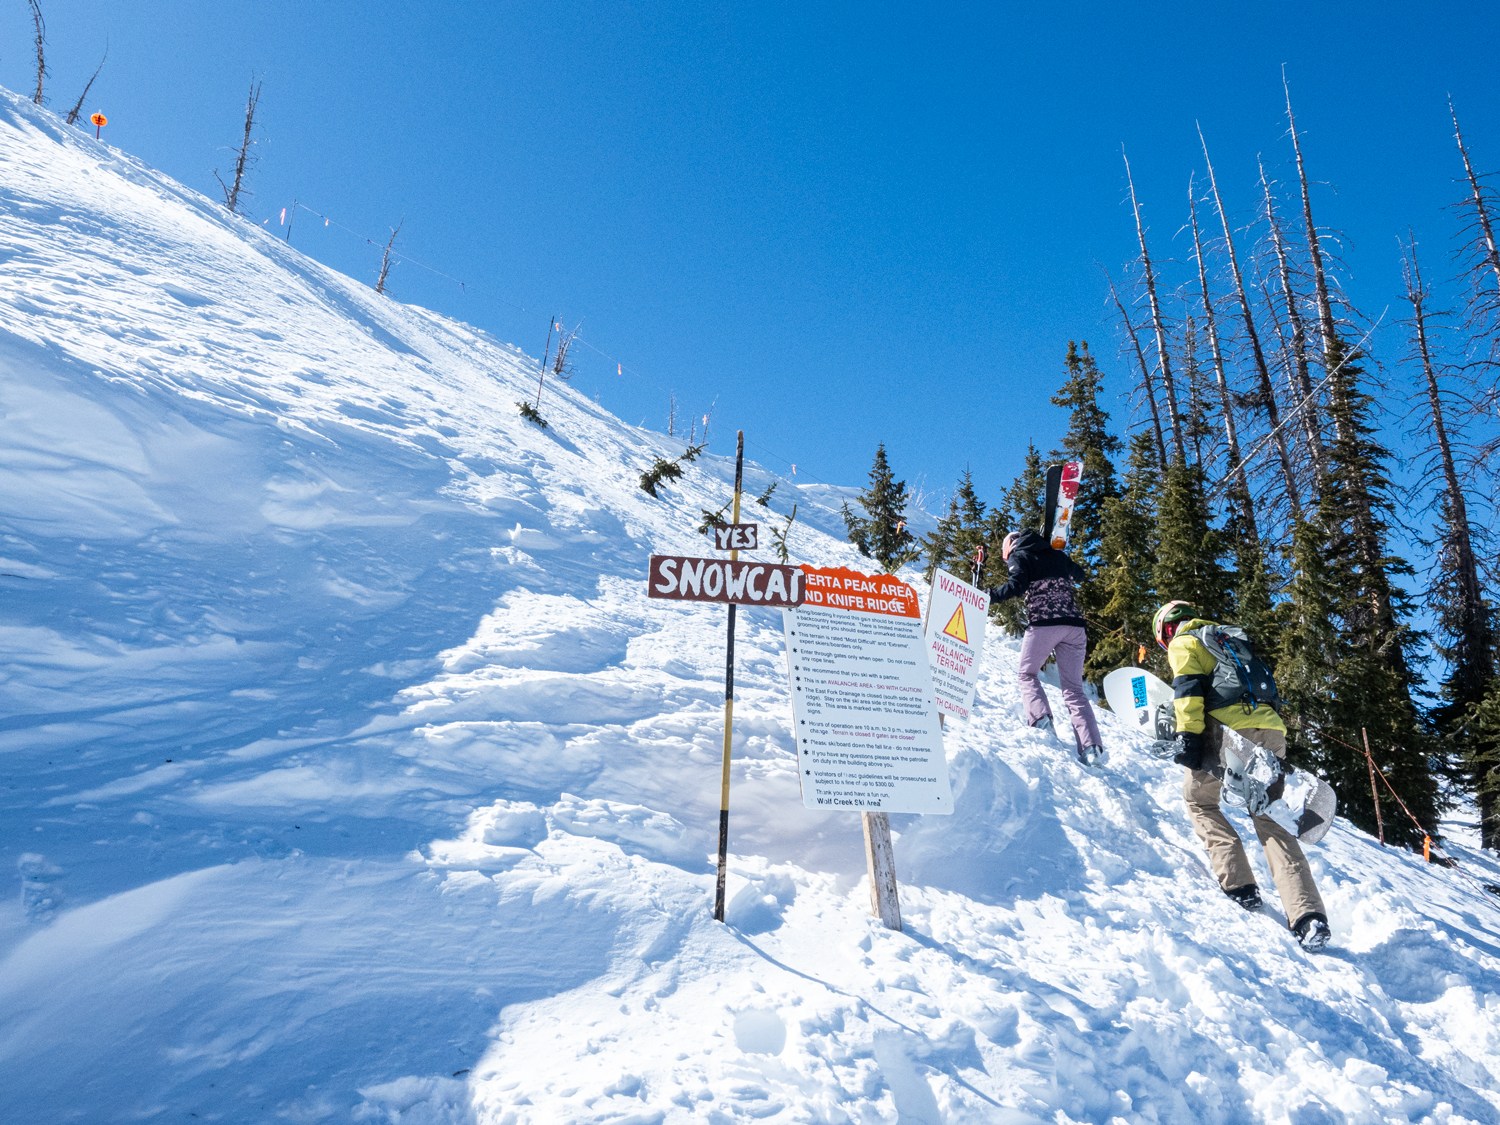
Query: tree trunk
(242,158)
(1241,494)
(1474,659)
(1146,380)
(41,50)
(1484,300)
(77,109)
(1366,536)
(1304,395)
(1327,328)
(1164,360)
(385,262)
(1481,209)
(1263,374)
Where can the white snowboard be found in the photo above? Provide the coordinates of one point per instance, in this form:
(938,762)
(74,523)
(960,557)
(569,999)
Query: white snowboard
(1306,804)
(1134,694)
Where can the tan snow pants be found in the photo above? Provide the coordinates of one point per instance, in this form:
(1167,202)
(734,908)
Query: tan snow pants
(1226,852)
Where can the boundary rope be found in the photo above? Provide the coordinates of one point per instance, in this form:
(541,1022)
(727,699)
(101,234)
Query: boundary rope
(289,212)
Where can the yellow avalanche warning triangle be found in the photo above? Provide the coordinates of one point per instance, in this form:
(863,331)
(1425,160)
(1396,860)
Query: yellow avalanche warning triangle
(956,628)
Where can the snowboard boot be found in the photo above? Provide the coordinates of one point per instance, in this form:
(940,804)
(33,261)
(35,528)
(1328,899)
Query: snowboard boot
(1042,725)
(1312,932)
(1093,755)
(1247,896)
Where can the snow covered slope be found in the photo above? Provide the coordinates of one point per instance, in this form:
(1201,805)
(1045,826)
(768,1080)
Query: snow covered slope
(347,774)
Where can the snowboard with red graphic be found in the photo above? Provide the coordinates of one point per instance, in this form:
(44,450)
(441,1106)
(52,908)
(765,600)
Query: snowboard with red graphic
(1062,491)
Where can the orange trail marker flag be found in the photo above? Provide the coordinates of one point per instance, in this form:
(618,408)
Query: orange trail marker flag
(98,121)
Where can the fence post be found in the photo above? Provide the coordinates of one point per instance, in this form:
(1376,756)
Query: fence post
(1374,792)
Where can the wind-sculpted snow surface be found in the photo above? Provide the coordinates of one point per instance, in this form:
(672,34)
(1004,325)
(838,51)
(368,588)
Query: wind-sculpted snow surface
(350,775)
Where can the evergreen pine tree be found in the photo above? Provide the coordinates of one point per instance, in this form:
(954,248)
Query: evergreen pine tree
(1189,549)
(1253,575)
(952,544)
(881,534)
(1309,650)
(1465,634)
(940,546)
(1482,737)
(1088,440)
(1025,499)
(1254,610)
(1464,638)
(1127,547)
(996,526)
(994,573)
(1346,653)
(859,529)
(1021,507)
(972,533)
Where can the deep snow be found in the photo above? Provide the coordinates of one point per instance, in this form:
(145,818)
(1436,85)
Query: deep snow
(349,774)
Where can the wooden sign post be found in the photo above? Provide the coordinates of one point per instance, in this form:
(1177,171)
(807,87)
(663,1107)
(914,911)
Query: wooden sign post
(723,858)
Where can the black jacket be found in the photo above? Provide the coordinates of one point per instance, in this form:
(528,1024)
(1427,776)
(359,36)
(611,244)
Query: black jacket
(1043,576)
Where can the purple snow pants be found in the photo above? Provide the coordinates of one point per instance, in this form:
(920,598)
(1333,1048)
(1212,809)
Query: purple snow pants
(1069,645)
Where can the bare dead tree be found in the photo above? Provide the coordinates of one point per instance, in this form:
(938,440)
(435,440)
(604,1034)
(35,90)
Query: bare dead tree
(561,366)
(1481,264)
(1164,359)
(1145,368)
(1327,326)
(1278,333)
(41,49)
(1466,565)
(1262,371)
(1241,494)
(1196,428)
(1298,368)
(243,158)
(1481,250)
(1343,389)
(385,257)
(77,110)
(1458,601)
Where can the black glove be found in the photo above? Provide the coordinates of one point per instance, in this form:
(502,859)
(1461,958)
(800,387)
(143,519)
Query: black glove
(1189,749)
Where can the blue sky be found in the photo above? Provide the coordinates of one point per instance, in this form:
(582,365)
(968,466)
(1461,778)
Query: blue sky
(833,225)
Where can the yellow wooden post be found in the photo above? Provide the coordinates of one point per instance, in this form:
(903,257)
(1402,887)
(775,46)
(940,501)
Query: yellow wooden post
(739,471)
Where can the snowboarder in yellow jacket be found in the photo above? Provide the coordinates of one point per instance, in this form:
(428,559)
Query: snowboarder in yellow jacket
(1205,704)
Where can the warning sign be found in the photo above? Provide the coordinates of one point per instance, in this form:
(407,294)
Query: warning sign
(868,737)
(954,648)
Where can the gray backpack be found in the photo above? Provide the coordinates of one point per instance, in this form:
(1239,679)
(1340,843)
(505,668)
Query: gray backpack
(1240,676)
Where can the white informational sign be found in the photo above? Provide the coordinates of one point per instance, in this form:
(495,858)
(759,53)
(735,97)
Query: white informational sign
(868,737)
(956,616)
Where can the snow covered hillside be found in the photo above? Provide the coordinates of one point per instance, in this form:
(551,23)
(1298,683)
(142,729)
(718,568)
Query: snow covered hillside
(348,774)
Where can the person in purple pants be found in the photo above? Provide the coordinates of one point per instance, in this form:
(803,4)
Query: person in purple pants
(1043,577)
